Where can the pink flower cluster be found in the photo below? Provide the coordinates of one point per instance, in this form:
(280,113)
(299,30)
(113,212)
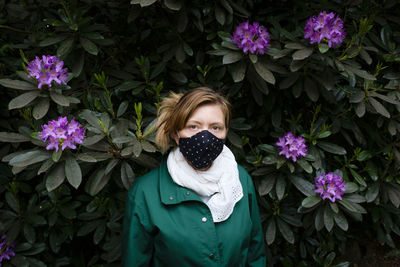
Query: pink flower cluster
(253,38)
(326,27)
(330,186)
(46,70)
(292,147)
(61,133)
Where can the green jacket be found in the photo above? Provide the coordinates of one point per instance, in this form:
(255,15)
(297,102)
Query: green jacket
(169,225)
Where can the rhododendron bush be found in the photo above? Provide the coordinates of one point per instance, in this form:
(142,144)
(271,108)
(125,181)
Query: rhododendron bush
(314,88)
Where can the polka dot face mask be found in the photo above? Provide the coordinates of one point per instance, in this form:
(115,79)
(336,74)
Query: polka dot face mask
(201,149)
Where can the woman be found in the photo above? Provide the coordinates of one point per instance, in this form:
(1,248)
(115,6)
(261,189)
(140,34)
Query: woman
(198,208)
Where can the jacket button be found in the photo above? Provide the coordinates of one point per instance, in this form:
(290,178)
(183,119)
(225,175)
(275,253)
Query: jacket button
(171,198)
(211,256)
(187,193)
(204,219)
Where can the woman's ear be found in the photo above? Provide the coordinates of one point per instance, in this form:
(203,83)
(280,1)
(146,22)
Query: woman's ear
(176,138)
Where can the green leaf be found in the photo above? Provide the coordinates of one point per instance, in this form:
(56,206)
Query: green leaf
(372,170)
(355,198)
(52,40)
(332,148)
(110,166)
(271,231)
(36,219)
(122,108)
(394,195)
(289,81)
(29,233)
(40,109)
(79,62)
(23,100)
(143,3)
(253,58)
(319,219)
(45,166)
(235,139)
(231,57)
(292,220)
(56,155)
(361,73)
(379,107)
(360,109)
(358,178)
(65,48)
(311,89)
(302,185)
(85,157)
(89,46)
(127,175)
(16,84)
(285,230)
(12,202)
(220,15)
(372,192)
(29,158)
(56,177)
(97,182)
(341,221)
(264,72)
(99,233)
(266,184)
(13,137)
(334,207)
(280,187)
(323,48)
(353,207)
(91,140)
(148,147)
(59,99)
(238,71)
(73,172)
(310,201)
(173,4)
(123,139)
(91,119)
(351,188)
(364,155)
(302,54)
(305,165)
(357,97)
(328,218)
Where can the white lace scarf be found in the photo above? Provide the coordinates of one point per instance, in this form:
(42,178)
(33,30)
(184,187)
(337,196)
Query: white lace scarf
(219,186)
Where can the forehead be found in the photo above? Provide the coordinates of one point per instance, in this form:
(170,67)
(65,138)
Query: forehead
(208,113)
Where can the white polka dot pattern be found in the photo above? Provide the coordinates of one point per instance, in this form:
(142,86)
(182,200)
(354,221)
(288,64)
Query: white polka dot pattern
(201,149)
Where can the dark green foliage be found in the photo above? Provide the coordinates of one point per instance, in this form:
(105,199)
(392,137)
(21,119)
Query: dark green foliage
(66,208)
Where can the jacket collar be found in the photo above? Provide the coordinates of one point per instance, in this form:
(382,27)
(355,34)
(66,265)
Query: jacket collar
(170,192)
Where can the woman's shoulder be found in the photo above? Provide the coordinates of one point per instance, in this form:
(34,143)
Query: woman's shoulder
(146,183)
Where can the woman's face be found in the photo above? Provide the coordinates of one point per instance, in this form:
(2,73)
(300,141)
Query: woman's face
(206,117)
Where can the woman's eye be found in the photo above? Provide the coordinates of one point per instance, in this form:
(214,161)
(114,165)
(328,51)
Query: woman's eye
(216,128)
(193,127)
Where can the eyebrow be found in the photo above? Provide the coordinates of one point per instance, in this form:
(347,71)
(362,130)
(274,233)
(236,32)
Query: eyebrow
(199,122)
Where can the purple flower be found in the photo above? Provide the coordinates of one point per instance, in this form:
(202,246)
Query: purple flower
(47,70)
(330,186)
(292,147)
(61,133)
(6,251)
(253,38)
(326,27)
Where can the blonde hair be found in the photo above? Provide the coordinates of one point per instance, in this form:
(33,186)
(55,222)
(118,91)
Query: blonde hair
(176,109)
